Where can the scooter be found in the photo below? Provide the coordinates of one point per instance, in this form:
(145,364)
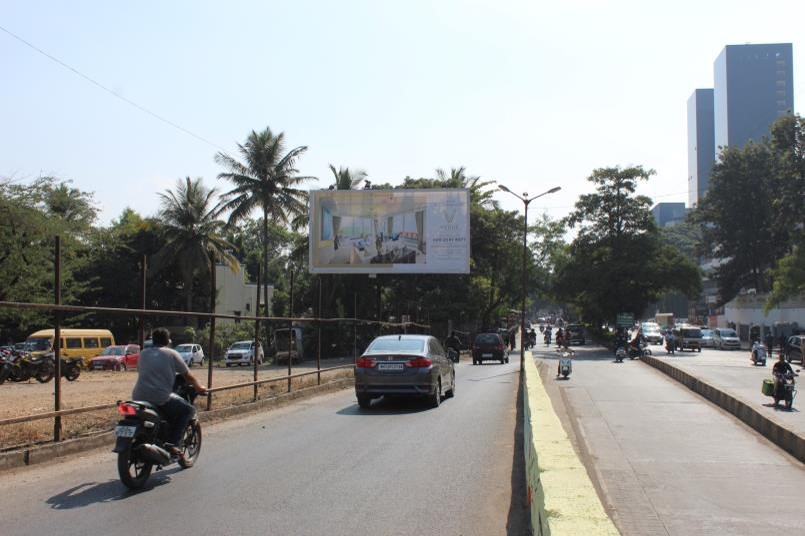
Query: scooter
(620,354)
(759,354)
(565,365)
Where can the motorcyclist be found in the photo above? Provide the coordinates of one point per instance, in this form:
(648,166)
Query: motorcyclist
(620,340)
(560,338)
(156,373)
(547,337)
(453,342)
(638,342)
(781,367)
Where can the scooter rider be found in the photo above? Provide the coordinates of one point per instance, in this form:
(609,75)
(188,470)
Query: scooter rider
(780,368)
(453,342)
(156,373)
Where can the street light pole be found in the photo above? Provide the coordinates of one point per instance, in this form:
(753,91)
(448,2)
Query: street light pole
(526,200)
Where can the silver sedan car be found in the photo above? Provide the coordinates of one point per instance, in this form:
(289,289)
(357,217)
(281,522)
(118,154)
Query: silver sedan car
(404,365)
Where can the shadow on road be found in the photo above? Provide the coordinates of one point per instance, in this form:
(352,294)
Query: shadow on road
(389,406)
(518,522)
(104,492)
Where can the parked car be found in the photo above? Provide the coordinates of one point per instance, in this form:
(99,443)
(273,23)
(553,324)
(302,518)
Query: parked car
(411,365)
(651,331)
(688,338)
(118,357)
(575,332)
(242,353)
(793,348)
(726,339)
(707,339)
(489,347)
(191,354)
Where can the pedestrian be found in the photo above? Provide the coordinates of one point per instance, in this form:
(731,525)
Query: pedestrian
(511,338)
(782,344)
(769,342)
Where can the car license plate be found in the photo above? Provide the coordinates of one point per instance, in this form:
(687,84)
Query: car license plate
(390,366)
(486,355)
(125,431)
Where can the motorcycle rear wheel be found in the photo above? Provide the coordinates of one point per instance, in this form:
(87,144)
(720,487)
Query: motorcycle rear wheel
(45,372)
(133,471)
(72,373)
(191,444)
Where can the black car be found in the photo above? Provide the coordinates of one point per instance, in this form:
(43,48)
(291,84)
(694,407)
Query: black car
(489,347)
(575,334)
(793,348)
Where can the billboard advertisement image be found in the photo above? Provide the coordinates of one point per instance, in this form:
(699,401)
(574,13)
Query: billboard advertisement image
(390,231)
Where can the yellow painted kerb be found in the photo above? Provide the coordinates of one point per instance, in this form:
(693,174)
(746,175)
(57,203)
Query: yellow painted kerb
(563,499)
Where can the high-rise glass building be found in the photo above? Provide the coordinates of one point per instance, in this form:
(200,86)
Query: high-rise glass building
(701,144)
(754,85)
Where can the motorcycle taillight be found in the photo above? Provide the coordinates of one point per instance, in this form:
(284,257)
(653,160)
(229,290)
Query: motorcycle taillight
(126,410)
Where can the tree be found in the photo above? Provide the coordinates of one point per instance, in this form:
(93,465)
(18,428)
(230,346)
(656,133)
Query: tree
(193,232)
(346,179)
(267,180)
(617,262)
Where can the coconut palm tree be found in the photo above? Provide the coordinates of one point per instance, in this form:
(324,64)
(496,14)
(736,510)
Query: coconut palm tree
(346,179)
(266,180)
(193,232)
(457,178)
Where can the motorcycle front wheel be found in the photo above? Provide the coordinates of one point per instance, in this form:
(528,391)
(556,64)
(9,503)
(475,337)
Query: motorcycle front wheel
(191,443)
(45,372)
(133,471)
(72,373)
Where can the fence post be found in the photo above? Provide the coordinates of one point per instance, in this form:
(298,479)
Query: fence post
(256,351)
(318,346)
(213,296)
(290,330)
(141,328)
(57,340)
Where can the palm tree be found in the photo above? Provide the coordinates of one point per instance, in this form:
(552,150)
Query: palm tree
(267,180)
(193,232)
(457,178)
(346,179)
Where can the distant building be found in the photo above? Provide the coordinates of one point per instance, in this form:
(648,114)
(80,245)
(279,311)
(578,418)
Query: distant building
(235,296)
(754,86)
(701,144)
(669,213)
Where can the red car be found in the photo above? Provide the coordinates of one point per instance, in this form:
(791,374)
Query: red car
(120,357)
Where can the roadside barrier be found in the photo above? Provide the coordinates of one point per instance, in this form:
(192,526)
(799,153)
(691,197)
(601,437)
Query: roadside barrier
(561,496)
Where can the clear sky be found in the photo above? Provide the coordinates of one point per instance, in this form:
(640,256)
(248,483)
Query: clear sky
(531,94)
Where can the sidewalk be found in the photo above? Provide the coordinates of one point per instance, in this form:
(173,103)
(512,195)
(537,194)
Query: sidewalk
(728,379)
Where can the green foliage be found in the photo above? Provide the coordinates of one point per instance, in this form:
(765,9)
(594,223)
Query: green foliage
(226,333)
(752,215)
(617,263)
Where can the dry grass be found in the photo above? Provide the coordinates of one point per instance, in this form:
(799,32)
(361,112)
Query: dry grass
(103,387)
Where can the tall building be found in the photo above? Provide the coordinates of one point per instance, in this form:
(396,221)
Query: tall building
(754,85)
(701,144)
(669,213)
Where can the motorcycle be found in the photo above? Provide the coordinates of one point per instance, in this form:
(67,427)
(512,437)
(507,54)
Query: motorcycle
(620,354)
(565,365)
(141,439)
(759,354)
(22,366)
(786,391)
(670,345)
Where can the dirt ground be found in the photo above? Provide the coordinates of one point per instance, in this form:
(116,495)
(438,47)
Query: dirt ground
(106,387)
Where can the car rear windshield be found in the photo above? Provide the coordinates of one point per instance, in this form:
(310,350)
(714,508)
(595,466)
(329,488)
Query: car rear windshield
(396,345)
(487,338)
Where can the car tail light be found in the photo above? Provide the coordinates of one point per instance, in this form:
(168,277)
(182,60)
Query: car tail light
(365,362)
(499,347)
(126,410)
(419,362)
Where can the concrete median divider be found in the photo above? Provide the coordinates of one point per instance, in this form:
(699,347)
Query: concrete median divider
(562,498)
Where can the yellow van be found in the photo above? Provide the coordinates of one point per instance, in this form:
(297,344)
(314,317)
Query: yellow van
(83,343)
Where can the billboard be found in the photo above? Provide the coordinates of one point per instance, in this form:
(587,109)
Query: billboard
(390,231)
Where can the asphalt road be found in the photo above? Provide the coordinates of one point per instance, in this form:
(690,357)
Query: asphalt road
(668,462)
(318,466)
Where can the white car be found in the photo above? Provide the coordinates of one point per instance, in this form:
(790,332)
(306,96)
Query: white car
(191,353)
(726,339)
(242,353)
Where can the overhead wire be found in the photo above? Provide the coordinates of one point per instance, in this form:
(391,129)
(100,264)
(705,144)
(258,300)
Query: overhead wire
(112,92)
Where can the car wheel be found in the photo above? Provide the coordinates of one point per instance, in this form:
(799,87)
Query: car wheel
(364,401)
(436,397)
(228,365)
(699,350)
(452,391)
